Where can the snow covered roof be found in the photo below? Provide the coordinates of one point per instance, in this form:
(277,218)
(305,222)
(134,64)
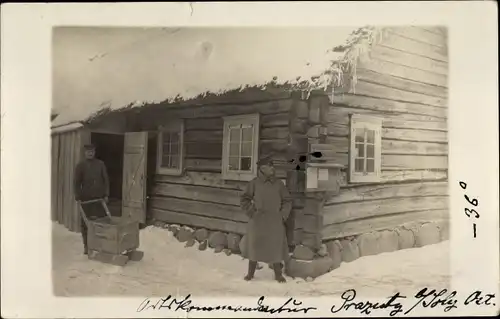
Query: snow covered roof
(113,68)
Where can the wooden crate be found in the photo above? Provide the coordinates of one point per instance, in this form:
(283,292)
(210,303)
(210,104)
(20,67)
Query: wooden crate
(113,235)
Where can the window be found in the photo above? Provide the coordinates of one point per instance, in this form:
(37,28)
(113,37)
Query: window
(240,148)
(170,149)
(365,149)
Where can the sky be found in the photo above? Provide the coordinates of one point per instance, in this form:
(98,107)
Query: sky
(119,66)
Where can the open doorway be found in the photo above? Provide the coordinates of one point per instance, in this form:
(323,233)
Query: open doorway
(109,149)
(151,172)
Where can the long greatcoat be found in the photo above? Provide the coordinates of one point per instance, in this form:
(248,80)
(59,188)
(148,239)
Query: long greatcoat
(267,203)
(91,181)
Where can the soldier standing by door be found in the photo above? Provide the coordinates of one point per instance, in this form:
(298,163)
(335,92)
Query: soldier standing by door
(267,203)
(91,181)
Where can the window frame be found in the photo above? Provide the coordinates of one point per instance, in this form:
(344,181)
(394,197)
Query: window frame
(171,127)
(358,121)
(253,119)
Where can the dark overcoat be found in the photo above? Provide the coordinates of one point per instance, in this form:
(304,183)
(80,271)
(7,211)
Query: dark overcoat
(267,203)
(91,181)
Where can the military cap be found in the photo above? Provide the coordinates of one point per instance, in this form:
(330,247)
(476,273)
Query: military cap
(266,160)
(89,147)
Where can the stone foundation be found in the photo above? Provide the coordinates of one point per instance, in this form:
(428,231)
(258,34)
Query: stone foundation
(308,264)
(203,238)
(411,235)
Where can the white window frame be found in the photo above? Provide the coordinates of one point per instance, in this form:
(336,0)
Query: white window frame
(172,127)
(362,122)
(253,119)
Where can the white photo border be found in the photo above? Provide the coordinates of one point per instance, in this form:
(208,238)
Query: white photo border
(26,92)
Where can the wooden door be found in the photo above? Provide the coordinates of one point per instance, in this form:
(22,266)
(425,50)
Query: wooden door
(134,176)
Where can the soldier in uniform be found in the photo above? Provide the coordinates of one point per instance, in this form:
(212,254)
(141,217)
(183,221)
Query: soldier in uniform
(267,203)
(91,181)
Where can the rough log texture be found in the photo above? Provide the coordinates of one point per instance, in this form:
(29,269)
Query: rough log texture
(388,191)
(199,221)
(383,91)
(339,213)
(388,222)
(200,197)
(404,81)
(201,179)
(341,145)
(400,38)
(387,105)
(221,211)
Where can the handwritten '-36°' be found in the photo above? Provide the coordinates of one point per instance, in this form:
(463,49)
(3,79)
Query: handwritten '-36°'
(471,213)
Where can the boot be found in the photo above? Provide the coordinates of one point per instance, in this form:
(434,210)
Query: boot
(278,275)
(252,265)
(271,266)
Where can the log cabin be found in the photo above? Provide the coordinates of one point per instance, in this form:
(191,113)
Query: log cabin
(375,110)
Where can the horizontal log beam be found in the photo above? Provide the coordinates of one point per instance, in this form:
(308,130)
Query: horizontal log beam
(383,105)
(274,133)
(374,89)
(201,179)
(206,149)
(199,193)
(388,222)
(203,165)
(193,207)
(401,83)
(338,120)
(402,161)
(404,72)
(387,191)
(410,45)
(204,123)
(340,144)
(343,212)
(213,224)
(402,176)
(420,34)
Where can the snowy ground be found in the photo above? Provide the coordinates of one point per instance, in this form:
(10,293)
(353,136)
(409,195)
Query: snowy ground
(169,268)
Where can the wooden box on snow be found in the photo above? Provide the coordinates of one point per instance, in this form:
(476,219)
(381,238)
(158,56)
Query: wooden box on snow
(113,235)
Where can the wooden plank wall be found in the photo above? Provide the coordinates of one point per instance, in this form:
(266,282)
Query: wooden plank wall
(66,152)
(200,197)
(405,81)
(54,176)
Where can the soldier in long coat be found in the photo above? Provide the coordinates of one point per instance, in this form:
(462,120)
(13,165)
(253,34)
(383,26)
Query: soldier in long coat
(91,181)
(267,203)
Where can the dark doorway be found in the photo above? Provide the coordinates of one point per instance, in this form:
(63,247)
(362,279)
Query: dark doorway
(109,149)
(151,171)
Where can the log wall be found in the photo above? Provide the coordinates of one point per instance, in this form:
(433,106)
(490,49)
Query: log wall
(307,121)
(200,197)
(405,81)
